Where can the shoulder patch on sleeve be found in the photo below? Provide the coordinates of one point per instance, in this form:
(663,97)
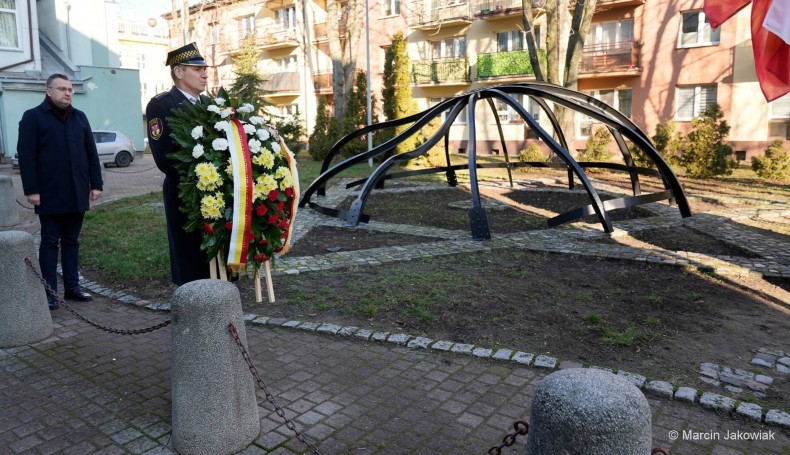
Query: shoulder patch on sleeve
(155,128)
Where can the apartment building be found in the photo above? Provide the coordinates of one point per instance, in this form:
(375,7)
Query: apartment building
(653,60)
(143,46)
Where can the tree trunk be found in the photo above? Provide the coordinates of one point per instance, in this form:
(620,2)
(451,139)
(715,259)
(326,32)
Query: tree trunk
(528,20)
(343,50)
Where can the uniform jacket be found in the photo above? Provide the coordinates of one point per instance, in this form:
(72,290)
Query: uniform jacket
(58,160)
(187,261)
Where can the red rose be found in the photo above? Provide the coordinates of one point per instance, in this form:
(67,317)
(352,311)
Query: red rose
(273,195)
(259,257)
(289,192)
(274,219)
(261,210)
(283,224)
(207,228)
(278,249)
(229,226)
(263,242)
(280,206)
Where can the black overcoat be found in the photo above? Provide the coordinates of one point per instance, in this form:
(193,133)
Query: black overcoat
(58,160)
(187,261)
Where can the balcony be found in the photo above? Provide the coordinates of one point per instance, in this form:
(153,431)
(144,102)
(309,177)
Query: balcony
(504,64)
(320,31)
(282,84)
(448,71)
(497,9)
(322,82)
(618,3)
(611,59)
(277,37)
(444,12)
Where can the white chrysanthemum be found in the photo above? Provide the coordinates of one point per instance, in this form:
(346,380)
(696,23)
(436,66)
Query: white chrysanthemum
(225,113)
(254,145)
(263,134)
(197,132)
(249,129)
(276,147)
(219,101)
(197,151)
(255,120)
(221,125)
(219,144)
(213,108)
(246,108)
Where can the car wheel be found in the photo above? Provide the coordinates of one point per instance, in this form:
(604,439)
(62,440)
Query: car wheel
(122,159)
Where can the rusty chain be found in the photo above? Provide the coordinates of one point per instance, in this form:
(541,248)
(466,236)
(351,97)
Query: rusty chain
(129,172)
(53,294)
(521,428)
(23,205)
(269,397)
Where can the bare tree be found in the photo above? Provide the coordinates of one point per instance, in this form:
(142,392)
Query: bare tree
(343,49)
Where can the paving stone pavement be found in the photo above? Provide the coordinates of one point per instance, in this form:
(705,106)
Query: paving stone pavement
(84,391)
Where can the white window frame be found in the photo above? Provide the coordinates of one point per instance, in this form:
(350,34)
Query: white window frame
(584,122)
(15,15)
(286,18)
(390,8)
(703,26)
(611,35)
(213,33)
(697,107)
(510,45)
(288,64)
(247,25)
(507,114)
(140,60)
(462,116)
(452,47)
(779,116)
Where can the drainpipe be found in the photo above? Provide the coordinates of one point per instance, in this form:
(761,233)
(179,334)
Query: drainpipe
(68,30)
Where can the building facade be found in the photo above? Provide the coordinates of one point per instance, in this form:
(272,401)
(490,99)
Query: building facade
(78,39)
(654,61)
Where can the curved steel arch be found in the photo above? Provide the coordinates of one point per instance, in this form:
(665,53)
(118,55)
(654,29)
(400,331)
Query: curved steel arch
(620,126)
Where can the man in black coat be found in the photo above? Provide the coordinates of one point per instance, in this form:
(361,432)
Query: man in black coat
(188,71)
(60,172)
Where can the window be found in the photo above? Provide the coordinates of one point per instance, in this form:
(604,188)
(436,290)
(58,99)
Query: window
(213,33)
(618,99)
(695,30)
(460,120)
(510,41)
(507,114)
(286,18)
(383,56)
(390,7)
(9,28)
(246,25)
(449,48)
(611,35)
(779,118)
(288,110)
(103,137)
(287,64)
(140,61)
(693,100)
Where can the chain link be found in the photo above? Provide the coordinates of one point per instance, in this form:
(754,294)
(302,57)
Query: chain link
(269,397)
(521,428)
(53,294)
(129,172)
(23,205)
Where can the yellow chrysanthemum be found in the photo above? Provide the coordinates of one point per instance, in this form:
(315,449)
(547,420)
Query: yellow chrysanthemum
(208,177)
(211,206)
(263,185)
(286,182)
(265,159)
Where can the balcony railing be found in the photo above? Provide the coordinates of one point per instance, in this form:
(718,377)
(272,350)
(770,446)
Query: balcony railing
(610,57)
(272,37)
(447,12)
(513,63)
(320,31)
(487,9)
(286,83)
(444,71)
(322,82)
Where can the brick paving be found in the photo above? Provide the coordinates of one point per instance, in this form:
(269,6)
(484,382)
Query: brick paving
(84,391)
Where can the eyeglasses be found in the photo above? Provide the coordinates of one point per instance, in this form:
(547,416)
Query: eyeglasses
(63,89)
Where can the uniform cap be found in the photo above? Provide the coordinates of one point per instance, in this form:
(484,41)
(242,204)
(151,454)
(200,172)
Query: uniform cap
(185,55)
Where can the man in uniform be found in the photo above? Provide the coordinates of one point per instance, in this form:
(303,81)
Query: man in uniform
(188,71)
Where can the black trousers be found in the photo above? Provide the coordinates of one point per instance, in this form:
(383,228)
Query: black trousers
(62,232)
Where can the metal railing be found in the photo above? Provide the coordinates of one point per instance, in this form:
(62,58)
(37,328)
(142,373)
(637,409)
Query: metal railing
(440,71)
(609,57)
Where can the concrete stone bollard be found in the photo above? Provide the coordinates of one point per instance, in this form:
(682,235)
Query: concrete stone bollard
(24,314)
(582,410)
(9,212)
(214,406)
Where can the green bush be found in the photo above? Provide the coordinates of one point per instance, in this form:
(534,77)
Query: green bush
(325,133)
(775,164)
(291,129)
(668,141)
(597,148)
(532,154)
(705,154)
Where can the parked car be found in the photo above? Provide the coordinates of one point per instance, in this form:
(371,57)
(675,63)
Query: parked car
(114,147)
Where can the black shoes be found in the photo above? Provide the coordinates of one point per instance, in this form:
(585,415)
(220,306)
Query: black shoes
(77,295)
(53,303)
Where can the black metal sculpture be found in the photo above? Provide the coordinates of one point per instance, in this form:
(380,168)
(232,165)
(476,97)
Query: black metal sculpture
(619,126)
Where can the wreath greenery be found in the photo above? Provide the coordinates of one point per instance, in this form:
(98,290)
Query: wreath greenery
(207,186)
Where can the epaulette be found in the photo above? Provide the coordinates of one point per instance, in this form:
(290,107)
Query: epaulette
(160,96)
